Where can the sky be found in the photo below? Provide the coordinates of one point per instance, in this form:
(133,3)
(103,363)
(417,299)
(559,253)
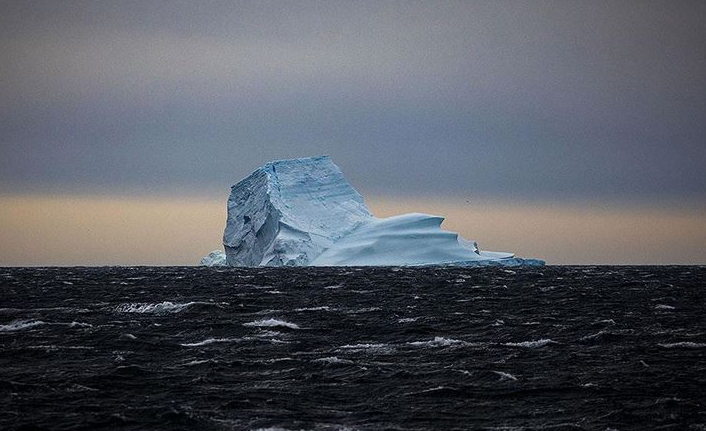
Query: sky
(584,111)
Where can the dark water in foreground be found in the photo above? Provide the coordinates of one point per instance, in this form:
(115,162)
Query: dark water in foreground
(369,349)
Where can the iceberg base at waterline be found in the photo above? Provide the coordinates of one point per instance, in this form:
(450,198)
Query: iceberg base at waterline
(303,212)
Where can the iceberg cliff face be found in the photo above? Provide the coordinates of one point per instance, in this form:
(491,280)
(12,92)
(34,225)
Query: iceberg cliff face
(288,212)
(304,212)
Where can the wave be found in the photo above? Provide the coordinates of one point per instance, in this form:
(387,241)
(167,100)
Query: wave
(663,307)
(321,308)
(683,345)
(266,333)
(208,341)
(504,376)
(436,342)
(19,325)
(333,360)
(80,324)
(363,310)
(369,347)
(532,344)
(272,323)
(607,321)
(156,308)
(407,319)
(198,362)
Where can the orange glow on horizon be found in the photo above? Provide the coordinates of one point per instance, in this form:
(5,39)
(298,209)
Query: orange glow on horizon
(104,230)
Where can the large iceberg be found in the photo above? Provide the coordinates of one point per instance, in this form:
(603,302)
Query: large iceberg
(302,212)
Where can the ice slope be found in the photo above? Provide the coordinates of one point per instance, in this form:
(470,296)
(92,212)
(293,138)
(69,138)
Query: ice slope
(408,239)
(304,212)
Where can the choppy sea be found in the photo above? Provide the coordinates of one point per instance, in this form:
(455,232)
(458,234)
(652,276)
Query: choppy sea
(151,348)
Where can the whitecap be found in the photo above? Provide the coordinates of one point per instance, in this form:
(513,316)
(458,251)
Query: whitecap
(197,362)
(272,323)
(532,344)
(505,376)
(210,341)
(369,347)
(158,308)
(363,310)
(663,307)
(333,360)
(683,345)
(407,319)
(19,325)
(595,336)
(364,346)
(607,321)
(436,342)
(321,308)
(80,324)
(273,360)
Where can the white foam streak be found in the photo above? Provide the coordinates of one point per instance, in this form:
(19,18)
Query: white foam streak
(158,308)
(210,341)
(321,308)
(19,325)
(436,342)
(333,360)
(532,344)
(505,376)
(683,345)
(272,323)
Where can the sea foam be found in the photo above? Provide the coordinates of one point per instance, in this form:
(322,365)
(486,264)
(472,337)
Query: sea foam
(683,345)
(19,325)
(272,323)
(532,344)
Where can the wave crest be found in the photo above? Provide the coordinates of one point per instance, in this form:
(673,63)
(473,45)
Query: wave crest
(272,323)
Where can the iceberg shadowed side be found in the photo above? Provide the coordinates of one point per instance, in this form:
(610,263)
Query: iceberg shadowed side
(302,212)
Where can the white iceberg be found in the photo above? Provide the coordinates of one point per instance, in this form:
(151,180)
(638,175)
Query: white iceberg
(303,212)
(214,258)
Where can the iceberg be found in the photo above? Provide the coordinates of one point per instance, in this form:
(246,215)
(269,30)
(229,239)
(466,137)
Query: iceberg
(214,258)
(303,212)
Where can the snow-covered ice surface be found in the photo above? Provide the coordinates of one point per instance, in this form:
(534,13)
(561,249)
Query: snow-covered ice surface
(301,212)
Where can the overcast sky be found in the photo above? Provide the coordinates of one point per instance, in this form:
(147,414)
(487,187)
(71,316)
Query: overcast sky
(512,99)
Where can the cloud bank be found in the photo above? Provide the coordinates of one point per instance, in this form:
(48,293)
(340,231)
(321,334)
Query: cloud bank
(544,99)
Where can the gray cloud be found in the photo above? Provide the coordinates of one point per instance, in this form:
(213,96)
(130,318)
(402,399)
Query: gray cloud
(513,99)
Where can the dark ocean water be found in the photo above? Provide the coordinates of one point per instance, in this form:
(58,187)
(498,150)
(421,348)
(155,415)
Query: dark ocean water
(573,348)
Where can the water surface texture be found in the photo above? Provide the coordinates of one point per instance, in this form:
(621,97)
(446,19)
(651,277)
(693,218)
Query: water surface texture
(557,348)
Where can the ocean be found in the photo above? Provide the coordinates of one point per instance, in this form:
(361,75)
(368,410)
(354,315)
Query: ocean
(195,348)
